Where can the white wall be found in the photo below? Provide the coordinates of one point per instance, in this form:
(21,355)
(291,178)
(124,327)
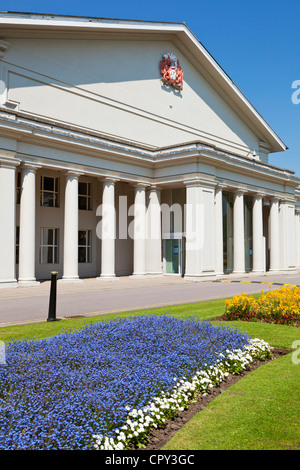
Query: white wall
(114,87)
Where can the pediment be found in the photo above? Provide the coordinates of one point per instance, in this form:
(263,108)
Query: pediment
(108,80)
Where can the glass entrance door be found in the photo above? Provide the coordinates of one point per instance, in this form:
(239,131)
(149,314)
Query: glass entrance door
(174,256)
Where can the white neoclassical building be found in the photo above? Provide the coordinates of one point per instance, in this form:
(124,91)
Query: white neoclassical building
(125,149)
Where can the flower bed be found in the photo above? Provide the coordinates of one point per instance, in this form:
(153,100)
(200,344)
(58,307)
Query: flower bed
(108,385)
(280,306)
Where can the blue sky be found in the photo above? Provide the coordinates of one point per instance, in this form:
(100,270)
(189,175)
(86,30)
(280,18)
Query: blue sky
(256,43)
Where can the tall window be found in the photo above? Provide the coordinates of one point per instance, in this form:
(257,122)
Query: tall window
(84,246)
(49,246)
(18,187)
(84,196)
(49,192)
(17,244)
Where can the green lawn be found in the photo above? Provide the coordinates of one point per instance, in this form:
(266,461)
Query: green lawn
(261,411)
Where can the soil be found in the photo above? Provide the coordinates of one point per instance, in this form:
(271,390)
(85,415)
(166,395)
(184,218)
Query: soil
(159,437)
(225,318)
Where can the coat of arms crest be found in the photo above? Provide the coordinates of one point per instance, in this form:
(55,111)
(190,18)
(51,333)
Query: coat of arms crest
(171,71)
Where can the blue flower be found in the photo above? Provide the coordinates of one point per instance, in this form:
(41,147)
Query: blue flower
(57,393)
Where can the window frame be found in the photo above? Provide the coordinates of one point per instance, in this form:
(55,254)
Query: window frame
(87,246)
(17,244)
(54,192)
(18,187)
(85,197)
(53,246)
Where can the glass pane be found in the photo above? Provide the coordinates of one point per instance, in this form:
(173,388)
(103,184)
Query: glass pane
(81,254)
(82,239)
(56,199)
(56,236)
(43,235)
(48,183)
(227,232)
(46,255)
(82,203)
(55,255)
(172,256)
(82,188)
(50,255)
(48,199)
(47,236)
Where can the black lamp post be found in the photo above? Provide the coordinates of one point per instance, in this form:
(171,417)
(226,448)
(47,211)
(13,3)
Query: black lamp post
(52,300)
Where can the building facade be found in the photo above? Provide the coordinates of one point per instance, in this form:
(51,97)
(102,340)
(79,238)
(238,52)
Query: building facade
(126,150)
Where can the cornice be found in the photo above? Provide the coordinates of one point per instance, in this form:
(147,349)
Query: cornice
(81,142)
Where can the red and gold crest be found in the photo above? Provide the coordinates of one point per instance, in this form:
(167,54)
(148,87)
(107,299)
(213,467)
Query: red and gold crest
(171,71)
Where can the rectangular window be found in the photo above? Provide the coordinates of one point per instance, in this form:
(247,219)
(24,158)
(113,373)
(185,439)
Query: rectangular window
(49,246)
(49,191)
(18,196)
(84,196)
(84,246)
(17,244)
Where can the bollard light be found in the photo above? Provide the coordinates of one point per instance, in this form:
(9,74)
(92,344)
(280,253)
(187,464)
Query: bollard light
(52,300)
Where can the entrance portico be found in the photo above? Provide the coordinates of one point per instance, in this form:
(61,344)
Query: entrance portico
(134,175)
(203,224)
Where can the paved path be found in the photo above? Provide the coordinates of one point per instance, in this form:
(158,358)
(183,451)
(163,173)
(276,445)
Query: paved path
(94,297)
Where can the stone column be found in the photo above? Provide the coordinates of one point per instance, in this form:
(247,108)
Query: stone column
(8,221)
(258,240)
(27,245)
(200,229)
(108,232)
(70,267)
(297,236)
(238,233)
(274,235)
(139,235)
(153,244)
(219,257)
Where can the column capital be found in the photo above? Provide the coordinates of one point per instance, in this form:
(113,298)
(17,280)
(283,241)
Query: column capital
(108,179)
(140,185)
(30,166)
(274,198)
(240,190)
(259,194)
(221,186)
(73,173)
(154,188)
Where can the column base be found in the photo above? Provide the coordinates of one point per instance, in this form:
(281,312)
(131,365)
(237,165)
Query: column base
(257,273)
(8,283)
(220,275)
(199,277)
(158,274)
(238,274)
(138,276)
(28,283)
(283,271)
(107,277)
(70,280)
